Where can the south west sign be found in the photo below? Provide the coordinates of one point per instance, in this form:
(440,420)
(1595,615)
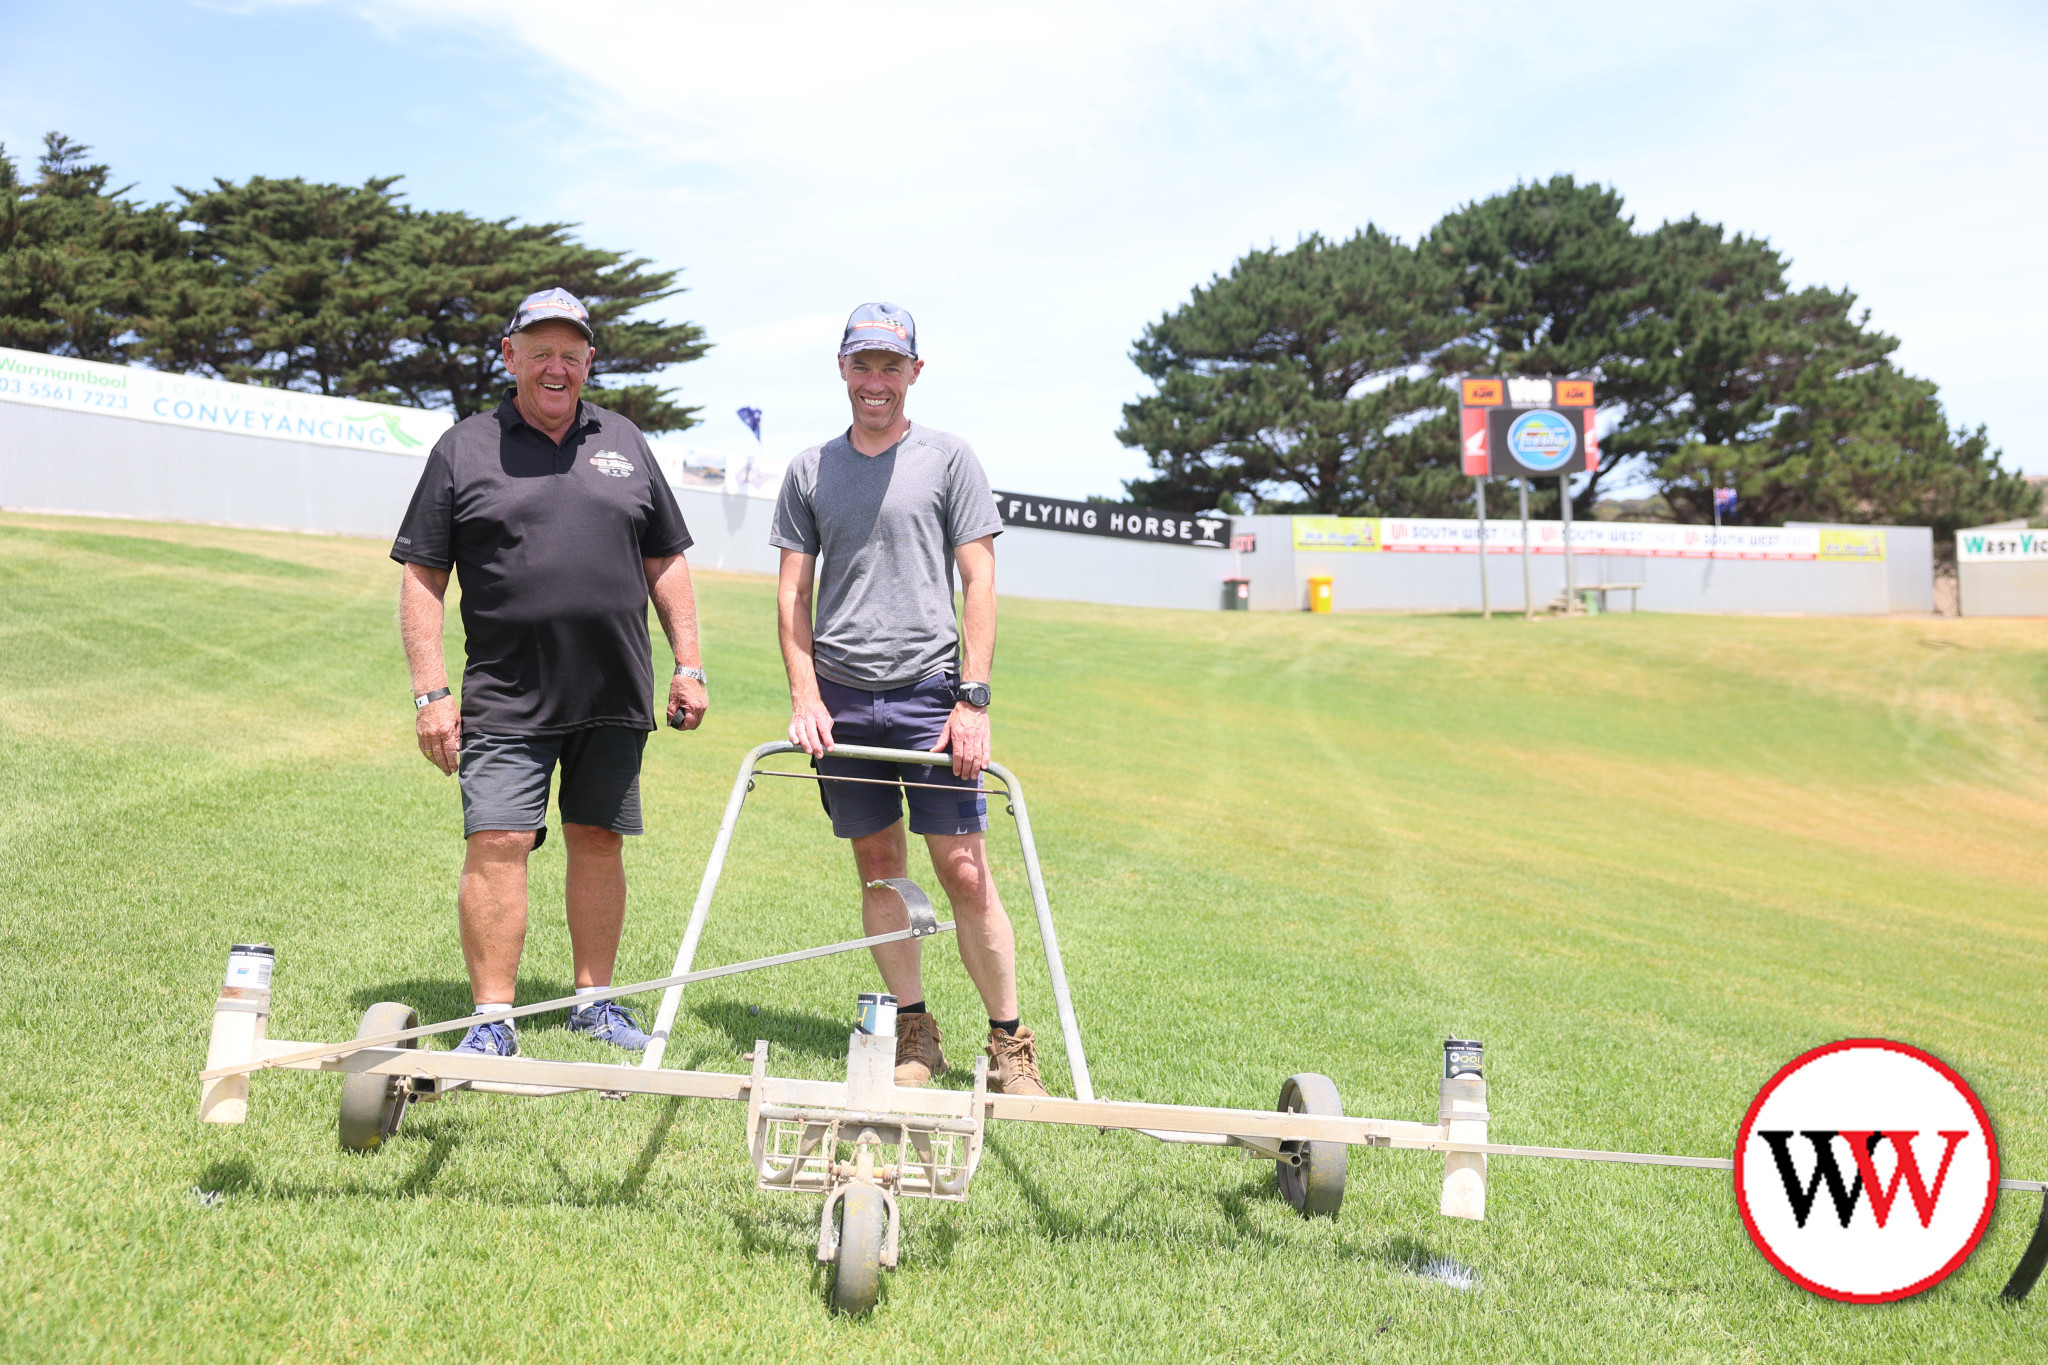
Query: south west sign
(1525,427)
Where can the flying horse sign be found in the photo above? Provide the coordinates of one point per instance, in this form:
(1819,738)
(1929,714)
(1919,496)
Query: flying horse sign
(1204,530)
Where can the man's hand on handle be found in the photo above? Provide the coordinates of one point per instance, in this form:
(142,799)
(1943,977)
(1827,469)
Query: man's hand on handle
(690,697)
(440,730)
(810,726)
(966,733)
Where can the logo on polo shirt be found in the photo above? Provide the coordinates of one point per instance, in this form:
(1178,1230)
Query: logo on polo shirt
(612,463)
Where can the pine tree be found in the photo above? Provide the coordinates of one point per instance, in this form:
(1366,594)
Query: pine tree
(1291,375)
(292,286)
(77,260)
(342,290)
(461,278)
(346,290)
(1321,379)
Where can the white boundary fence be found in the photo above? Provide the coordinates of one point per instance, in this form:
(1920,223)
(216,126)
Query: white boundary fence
(1417,564)
(115,441)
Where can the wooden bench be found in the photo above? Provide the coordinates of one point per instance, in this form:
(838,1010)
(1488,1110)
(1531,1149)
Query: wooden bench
(1586,590)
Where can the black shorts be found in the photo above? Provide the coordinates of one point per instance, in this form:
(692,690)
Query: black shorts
(505,780)
(902,718)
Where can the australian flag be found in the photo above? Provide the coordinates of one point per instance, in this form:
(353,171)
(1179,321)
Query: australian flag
(1724,502)
(752,417)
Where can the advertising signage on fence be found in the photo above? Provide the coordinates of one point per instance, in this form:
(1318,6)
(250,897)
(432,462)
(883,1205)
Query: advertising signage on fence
(88,386)
(1433,535)
(2000,545)
(1204,530)
(1345,535)
(1527,427)
(1837,544)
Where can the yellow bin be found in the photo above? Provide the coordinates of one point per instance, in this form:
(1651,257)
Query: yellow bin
(1319,594)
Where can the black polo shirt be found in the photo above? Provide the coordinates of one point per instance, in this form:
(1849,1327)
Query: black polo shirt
(546,541)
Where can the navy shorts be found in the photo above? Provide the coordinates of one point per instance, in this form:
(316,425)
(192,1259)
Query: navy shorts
(505,780)
(901,718)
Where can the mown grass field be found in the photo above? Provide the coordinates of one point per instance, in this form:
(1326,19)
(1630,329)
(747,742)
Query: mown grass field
(1646,859)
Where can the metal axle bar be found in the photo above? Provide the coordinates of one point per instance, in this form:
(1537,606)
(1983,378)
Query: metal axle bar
(819,1100)
(566,1002)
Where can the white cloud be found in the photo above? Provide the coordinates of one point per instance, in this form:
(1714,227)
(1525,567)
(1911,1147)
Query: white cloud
(1038,183)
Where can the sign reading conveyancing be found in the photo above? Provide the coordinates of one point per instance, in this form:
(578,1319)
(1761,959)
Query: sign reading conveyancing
(178,400)
(1204,530)
(1527,427)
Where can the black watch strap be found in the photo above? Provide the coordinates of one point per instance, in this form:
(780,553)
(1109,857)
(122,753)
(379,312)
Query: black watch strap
(973,693)
(426,699)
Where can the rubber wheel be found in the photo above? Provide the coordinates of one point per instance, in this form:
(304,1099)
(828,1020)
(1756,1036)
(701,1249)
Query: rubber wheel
(372,1106)
(857,1270)
(1316,1186)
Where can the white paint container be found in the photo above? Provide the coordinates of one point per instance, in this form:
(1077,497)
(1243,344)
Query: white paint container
(250,966)
(241,1017)
(875,1014)
(1461,1109)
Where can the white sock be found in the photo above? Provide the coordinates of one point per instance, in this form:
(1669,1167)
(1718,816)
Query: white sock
(582,991)
(482,1008)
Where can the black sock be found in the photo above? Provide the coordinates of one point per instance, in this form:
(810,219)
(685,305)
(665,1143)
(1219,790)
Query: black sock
(918,1008)
(1008,1026)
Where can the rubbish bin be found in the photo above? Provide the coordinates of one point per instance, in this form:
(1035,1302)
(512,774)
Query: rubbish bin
(1319,593)
(1237,594)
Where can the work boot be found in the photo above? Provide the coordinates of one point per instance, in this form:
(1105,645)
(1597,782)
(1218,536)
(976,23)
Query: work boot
(1013,1063)
(917,1049)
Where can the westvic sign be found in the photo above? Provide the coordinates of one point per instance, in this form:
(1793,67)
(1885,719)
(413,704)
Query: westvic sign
(1203,530)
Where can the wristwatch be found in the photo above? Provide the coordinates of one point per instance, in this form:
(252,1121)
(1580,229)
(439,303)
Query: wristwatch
(426,699)
(696,673)
(974,694)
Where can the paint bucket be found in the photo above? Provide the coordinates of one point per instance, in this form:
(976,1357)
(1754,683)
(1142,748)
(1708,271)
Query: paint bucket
(250,966)
(875,1014)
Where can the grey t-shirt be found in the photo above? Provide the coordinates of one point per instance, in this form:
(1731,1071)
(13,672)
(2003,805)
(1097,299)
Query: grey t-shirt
(884,528)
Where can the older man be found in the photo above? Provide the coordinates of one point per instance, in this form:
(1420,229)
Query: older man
(554,516)
(877,520)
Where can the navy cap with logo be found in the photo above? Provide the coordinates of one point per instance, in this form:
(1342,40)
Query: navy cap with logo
(551,305)
(880,327)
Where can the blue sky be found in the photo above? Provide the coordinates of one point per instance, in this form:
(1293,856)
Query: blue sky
(1037,183)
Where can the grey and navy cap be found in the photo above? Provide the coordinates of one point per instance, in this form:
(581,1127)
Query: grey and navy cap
(551,305)
(880,327)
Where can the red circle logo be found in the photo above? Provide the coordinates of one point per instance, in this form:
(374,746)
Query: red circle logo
(1866,1171)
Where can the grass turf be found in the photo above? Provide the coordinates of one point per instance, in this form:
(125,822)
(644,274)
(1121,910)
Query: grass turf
(1647,859)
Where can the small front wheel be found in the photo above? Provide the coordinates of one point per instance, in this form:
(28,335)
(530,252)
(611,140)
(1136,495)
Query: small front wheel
(857,1269)
(372,1106)
(1312,1173)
